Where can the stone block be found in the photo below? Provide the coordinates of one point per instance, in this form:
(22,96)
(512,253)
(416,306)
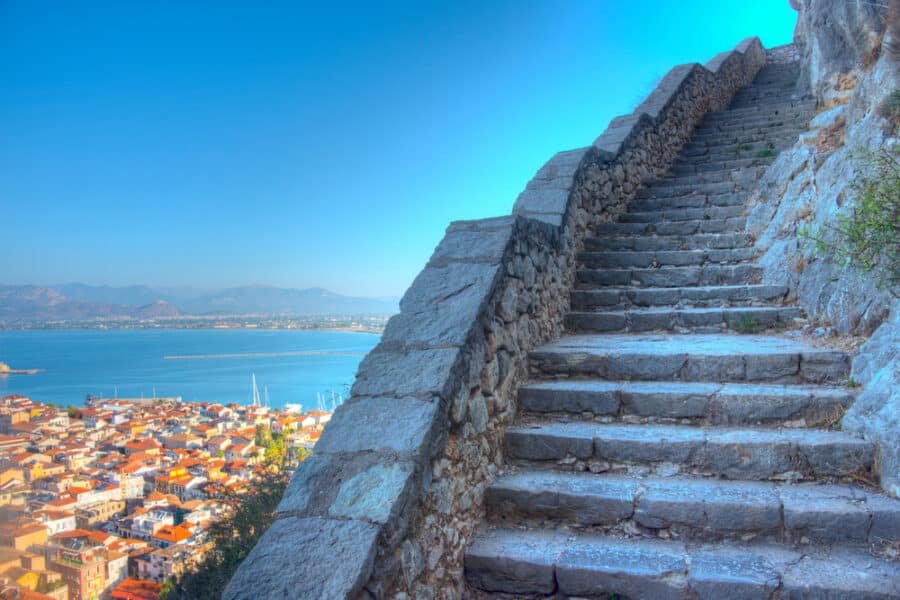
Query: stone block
(382,424)
(442,305)
(287,561)
(514,562)
(422,373)
(732,574)
(550,201)
(595,567)
(365,486)
(468,242)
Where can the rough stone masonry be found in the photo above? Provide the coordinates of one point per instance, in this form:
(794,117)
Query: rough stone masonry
(396,490)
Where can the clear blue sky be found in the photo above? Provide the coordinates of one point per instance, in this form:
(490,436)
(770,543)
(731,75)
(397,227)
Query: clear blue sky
(226,143)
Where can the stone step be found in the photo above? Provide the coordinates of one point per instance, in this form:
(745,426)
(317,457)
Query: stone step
(698,357)
(765,101)
(679,258)
(748,136)
(696,509)
(748,319)
(704,155)
(753,124)
(709,403)
(789,109)
(682,214)
(722,295)
(695,146)
(677,228)
(704,275)
(721,170)
(741,177)
(765,96)
(650,204)
(674,190)
(538,562)
(725,452)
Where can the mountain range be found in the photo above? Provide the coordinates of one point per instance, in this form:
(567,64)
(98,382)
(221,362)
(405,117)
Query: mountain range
(78,301)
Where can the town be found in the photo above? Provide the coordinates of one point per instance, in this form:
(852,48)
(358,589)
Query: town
(116,498)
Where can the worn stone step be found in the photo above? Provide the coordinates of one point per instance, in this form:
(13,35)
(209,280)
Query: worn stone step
(765,97)
(699,275)
(700,241)
(744,172)
(707,357)
(650,204)
(696,509)
(742,319)
(713,138)
(722,295)
(671,190)
(710,403)
(538,562)
(732,453)
(677,228)
(695,146)
(682,214)
(804,108)
(703,155)
(753,124)
(721,170)
(616,259)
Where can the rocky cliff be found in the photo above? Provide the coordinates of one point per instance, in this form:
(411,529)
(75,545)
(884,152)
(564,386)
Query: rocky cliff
(850,65)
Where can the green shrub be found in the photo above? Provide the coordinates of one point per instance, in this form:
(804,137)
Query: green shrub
(767,153)
(233,538)
(890,109)
(868,238)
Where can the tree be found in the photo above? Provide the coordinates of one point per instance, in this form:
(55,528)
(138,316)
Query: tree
(233,537)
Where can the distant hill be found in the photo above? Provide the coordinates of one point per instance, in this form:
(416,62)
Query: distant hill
(77,301)
(259,299)
(34,303)
(132,295)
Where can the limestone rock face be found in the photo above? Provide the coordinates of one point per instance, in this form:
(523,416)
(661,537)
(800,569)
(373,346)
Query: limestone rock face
(834,36)
(806,188)
(876,413)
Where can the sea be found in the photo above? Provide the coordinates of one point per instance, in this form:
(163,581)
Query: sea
(312,368)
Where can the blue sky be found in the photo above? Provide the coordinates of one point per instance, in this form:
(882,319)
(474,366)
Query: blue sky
(225,143)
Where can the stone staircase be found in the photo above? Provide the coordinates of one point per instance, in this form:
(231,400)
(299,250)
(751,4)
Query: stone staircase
(670,447)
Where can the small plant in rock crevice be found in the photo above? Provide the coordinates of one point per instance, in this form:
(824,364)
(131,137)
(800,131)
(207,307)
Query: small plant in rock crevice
(746,324)
(868,238)
(889,109)
(767,153)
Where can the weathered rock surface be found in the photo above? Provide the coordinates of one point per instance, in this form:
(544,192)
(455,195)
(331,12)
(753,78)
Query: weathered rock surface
(876,413)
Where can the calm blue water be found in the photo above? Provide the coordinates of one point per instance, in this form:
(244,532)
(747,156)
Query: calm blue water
(81,362)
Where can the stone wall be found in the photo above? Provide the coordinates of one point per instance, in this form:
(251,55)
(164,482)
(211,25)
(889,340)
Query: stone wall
(780,55)
(846,62)
(388,503)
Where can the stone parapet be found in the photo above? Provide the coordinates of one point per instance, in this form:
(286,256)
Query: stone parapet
(388,503)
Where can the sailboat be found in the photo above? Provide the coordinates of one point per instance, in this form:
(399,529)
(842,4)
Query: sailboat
(255,402)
